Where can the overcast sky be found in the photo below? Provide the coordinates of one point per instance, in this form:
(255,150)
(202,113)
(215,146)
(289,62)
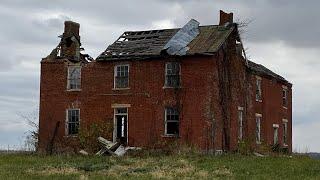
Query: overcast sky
(283,35)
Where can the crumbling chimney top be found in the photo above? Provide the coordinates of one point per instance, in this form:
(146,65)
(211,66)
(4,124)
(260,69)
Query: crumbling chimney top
(225,18)
(71,28)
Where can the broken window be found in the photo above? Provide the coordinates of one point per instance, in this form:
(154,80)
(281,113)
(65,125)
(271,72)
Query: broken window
(284,97)
(258,128)
(240,121)
(275,134)
(171,121)
(258,89)
(74,77)
(73,119)
(121,76)
(285,131)
(172,74)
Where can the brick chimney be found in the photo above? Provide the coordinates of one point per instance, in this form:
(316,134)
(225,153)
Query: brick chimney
(225,18)
(70,46)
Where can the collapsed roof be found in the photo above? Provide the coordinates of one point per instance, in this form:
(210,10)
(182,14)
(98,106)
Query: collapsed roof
(189,40)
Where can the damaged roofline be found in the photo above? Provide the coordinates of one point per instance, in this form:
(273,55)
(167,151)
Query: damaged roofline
(147,57)
(178,44)
(278,79)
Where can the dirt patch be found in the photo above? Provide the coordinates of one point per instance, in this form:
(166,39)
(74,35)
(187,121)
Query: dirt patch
(54,171)
(222,171)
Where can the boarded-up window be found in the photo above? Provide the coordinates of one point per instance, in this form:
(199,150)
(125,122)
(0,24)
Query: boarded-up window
(74,78)
(171,121)
(73,120)
(172,74)
(121,76)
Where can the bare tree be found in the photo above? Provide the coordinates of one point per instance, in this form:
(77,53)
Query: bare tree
(243,33)
(243,26)
(31,138)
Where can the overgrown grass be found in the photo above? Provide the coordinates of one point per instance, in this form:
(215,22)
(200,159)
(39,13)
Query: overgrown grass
(195,166)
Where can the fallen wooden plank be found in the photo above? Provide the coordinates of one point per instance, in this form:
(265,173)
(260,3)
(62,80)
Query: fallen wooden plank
(108,144)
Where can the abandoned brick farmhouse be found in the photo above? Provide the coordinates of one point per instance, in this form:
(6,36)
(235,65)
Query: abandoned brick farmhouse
(192,85)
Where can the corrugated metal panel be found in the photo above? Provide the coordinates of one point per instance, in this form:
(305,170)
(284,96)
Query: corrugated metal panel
(178,44)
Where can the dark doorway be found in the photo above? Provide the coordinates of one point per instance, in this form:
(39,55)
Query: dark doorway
(121,128)
(121,125)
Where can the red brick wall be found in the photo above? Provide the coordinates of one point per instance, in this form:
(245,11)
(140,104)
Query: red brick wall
(197,98)
(271,110)
(201,116)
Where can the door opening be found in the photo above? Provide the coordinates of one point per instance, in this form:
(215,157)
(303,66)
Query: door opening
(121,126)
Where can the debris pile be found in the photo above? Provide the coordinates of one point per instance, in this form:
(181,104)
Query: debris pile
(110,148)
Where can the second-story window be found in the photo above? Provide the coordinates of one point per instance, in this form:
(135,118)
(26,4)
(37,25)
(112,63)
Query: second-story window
(121,76)
(74,78)
(172,74)
(284,97)
(258,89)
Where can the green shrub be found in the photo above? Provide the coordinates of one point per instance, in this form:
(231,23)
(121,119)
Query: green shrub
(88,135)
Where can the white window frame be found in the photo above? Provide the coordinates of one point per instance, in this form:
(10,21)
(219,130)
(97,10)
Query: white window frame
(166,75)
(258,125)
(69,78)
(166,121)
(285,132)
(240,122)
(258,89)
(115,75)
(67,121)
(285,98)
(275,134)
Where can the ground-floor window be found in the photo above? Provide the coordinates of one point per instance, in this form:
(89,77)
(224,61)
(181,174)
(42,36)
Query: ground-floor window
(285,131)
(171,121)
(240,122)
(73,120)
(275,134)
(258,128)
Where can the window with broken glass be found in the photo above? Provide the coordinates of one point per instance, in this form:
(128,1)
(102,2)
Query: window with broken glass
(275,135)
(258,128)
(240,121)
(74,78)
(121,76)
(172,74)
(171,121)
(258,89)
(285,132)
(284,97)
(73,120)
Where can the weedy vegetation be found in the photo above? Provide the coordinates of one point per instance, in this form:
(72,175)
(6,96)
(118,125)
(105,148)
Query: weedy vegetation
(148,165)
